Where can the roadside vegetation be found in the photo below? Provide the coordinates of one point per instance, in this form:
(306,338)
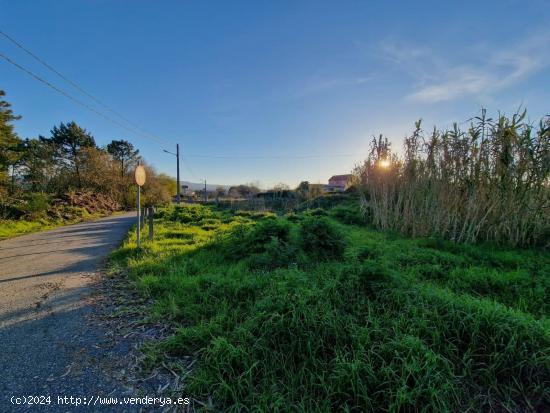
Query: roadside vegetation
(490,182)
(66,177)
(314,310)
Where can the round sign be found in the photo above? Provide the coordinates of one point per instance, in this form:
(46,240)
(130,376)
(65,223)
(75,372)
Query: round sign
(139,175)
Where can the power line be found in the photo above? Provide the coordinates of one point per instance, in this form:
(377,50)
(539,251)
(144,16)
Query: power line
(78,87)
(79,102)
(272,156)
(187,166)
(135,129)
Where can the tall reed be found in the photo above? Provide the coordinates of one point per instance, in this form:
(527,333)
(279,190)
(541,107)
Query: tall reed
(490,182)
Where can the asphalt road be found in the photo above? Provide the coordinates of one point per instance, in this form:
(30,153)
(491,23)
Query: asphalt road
(47,345)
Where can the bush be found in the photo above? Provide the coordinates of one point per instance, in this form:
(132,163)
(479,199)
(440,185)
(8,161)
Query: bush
(266,230)
(321,239)
(348,214)
(317,212)
(10,209)
(248,239)
(255,215)
(36,206)
(188,214)
(276,254)
(293,217)
(325,201)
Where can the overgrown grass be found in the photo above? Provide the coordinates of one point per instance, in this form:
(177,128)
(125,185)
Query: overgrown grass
(11,228)
(311,312)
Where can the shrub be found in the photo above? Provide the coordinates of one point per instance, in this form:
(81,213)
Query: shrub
(317,212)
(348,214)
(37,205)
(255,215)
(321,239)
(276,254)
(247,239)
(293,217)
(265,230)
(325,201)
(189,214)
(10,209)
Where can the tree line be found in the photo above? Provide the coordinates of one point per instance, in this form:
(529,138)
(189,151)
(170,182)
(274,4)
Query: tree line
(69,159)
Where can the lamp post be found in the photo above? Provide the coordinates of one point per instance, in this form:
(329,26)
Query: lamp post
(177,155)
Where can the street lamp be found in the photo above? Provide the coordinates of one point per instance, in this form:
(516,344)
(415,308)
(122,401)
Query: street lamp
(177,155)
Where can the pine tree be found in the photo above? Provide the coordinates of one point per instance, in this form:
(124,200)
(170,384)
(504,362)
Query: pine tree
(9,141)
(123,152)
(69,140)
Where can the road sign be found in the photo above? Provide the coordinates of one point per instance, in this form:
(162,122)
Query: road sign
(139,178)
(139,175)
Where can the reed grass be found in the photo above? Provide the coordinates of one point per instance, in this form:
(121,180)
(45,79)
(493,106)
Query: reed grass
(490,182)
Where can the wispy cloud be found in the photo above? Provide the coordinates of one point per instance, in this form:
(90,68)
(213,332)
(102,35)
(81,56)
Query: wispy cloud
(317,84)
(439,79)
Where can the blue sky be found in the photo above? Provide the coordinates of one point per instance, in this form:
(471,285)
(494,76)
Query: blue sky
(264,80)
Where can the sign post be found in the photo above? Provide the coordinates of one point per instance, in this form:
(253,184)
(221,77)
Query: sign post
(139,178)
(150,215)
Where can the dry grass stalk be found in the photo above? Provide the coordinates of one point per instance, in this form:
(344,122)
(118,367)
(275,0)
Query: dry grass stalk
(489,183)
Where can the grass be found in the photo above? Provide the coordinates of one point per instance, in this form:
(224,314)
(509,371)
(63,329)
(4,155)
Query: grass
(313,311)
(12,228)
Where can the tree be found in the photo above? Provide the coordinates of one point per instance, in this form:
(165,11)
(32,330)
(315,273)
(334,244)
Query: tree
(281,189)
(37,163)
(123,152)
(68,141)
(303,189)
(99,173)
(156,191)
(243,191)
(9,141)
(167,182)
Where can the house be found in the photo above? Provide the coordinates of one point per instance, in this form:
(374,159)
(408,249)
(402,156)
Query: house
(339,182)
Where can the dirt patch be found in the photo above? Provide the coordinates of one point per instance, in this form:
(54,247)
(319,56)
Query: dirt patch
(123,314)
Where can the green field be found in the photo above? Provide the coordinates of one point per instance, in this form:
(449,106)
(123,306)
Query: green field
(314,311)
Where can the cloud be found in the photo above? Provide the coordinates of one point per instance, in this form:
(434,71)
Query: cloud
(440,80)
(469,80)
(316,85)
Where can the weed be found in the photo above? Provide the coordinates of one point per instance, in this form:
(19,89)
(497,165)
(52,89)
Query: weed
(321,239)
(310,314)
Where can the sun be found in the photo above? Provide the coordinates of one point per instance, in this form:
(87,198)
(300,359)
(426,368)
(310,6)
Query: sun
(384,163)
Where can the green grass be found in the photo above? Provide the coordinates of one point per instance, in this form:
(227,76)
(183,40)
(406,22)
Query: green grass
(12,228)
(312,312)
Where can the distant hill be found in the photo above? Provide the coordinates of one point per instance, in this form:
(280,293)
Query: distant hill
(195,186)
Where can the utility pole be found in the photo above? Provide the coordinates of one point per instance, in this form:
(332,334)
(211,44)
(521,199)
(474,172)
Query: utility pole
(177,155)
(178,173)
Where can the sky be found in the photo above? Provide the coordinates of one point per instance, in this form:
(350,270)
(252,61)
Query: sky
(272,91)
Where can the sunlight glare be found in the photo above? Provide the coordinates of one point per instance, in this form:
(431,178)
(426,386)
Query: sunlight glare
(384,163)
